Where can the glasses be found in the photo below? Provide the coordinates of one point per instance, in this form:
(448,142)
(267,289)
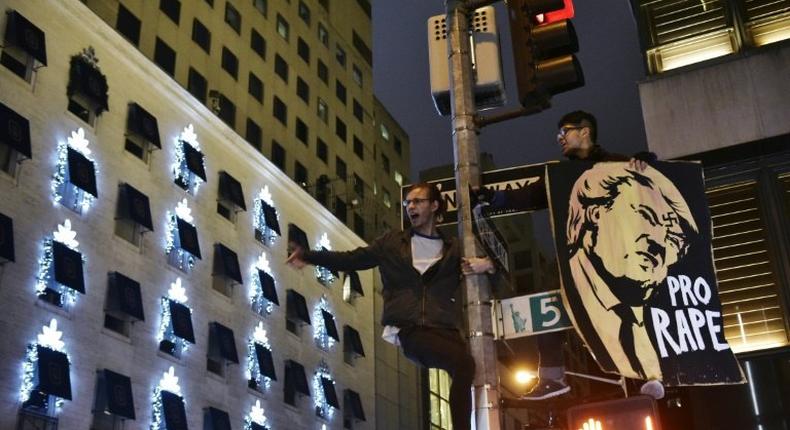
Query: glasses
(567,129)
(416,201)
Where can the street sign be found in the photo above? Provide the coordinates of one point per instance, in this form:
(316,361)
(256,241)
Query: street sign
(493,242)
(530,176)
(530,315)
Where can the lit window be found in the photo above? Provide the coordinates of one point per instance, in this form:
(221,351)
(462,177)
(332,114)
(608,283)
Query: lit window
(282,27)
(323,35)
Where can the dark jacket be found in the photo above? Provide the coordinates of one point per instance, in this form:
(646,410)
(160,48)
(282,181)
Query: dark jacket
(432,299)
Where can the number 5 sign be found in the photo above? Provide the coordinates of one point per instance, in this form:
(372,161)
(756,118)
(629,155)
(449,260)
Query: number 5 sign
(529,315)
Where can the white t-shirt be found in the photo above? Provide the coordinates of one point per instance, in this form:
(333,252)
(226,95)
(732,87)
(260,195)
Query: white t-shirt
(425,251)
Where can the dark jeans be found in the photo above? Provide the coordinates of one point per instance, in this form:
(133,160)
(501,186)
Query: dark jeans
(444,349)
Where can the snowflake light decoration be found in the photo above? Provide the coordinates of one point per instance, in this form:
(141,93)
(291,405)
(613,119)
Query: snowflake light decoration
(322,274)
(50,337)
(322,407)
(79,198)
(322,338)
(259,303)
(263,233)
(45,278)
(253,366)
(183,259)
(256,416)
(181,173)
(169,383)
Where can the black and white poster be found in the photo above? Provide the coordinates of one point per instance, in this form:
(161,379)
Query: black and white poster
(638,281)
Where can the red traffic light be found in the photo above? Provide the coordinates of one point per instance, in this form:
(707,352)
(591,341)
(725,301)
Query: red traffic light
(566,12)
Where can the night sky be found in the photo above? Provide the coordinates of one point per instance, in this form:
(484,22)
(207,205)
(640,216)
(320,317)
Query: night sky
(609,53)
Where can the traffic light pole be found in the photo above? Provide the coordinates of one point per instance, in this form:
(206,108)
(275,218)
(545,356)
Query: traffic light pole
(467,176)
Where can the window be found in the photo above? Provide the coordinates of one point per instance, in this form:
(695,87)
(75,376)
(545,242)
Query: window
(87,89)
(356,75)
(113,403)
(128,25)
(385,163)
(221,349)
(386,199)
(214,418)
(184,247)
(302,90)
(14,141)
(303,49)
(165,57)
(255,87)
(359,148)
(340,129)
(267,229)
(295,385)
(230,201)
(398,178)
(322,150)
(178,328)
(227,111)
(341,210)
(171,8)
(365,5)
(232,17)
(123,303)
(340,55)
(359,186)
(230,63)
(362,48)
(280,111)
(278,155)
(359,112)
(24,46)
(261,5)
(322,110)
(340,168)
(283,29)
(301,131)
(340,91)
(398,146)
(439,386)
(324,4)
(352,408)
(132,214)
(254,136)
(296,314)
(258,44)
(300,174)
(197,85)
(359,225)
(226,271)
(281,67)
(79,180)
(201,35)
(352,343)
(385,133)
(323,72)
(304,12)
(323,35)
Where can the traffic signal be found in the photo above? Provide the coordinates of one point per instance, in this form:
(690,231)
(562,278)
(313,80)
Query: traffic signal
(543,53)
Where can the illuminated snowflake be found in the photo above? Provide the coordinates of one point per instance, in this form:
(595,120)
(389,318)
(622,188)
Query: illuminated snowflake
(50,336)
(183,211)
(78,142)
(188,135)
(66,235)
(169,382)
(177,293)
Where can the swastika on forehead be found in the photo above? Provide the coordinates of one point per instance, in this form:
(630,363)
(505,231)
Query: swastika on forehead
(670,218)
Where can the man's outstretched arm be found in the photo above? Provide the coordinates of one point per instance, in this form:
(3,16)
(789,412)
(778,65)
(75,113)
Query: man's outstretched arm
(345,261)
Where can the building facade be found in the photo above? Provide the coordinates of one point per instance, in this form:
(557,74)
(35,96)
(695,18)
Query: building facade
(294,78)
(716,91)
(142,253)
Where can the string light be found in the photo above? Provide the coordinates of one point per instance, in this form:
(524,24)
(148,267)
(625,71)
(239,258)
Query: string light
(255,416)
(169,383)
(254,374)
(320,332)
(176,293)
(324,275)
(181,173)
(260,304)
(44,280)
(262,231)
(322,407)
(76,142)
(50,338)
(183,259)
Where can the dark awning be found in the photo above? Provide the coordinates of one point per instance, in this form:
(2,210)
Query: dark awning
(124,295)
(333,272)
(329,392)
(15,131)
(230,190)
(354,283)
(82,172)
(265,361)
(256,426)
(53,373)
(353,343)
(68,267)
(226,263)
(173,410)
(115,394)
(181,318)
(87,80)
(134,205)
(298,236)
(188,238)
(194,160)
(353,405)
(295,378)
(267,285)
(329,323)
(23,34)
(296,307)
(216,419)
(6,239)
(143,124)
(222,343)
(270,217)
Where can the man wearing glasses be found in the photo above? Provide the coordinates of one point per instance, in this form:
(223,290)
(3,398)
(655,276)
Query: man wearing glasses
(423,303)
(577,137)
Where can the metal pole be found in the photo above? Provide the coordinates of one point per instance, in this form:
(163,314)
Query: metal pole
(467,173)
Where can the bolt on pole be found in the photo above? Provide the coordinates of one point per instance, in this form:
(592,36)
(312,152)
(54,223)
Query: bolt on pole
(467,174)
